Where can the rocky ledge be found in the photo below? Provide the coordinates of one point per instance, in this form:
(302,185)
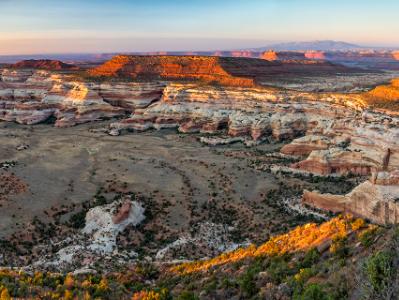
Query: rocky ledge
(376,199)
(35,96)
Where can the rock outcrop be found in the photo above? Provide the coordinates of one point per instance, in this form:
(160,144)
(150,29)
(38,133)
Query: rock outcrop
(358,146)
(256,112)
(385,96)
(305,145)
(31,97)
(97,241)
(269,55)
(375,199)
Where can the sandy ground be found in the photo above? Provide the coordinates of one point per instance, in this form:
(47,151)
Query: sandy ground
(65,166)
(54,173)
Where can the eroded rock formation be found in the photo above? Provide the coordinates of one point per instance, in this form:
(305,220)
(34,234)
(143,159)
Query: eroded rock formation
(358,146)
(375,199)
(256,112)
(269,55)
(31,97)
(97,240)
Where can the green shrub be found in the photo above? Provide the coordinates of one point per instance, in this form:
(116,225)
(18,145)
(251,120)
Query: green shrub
(366,237)
(339,247)
(313,292)
(186,295)
(278,270)
(147,270)
(380,270)
(78,220)
(310,258)
(247,283)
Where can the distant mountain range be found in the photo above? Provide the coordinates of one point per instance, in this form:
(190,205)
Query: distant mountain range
(325,45)
(322,45)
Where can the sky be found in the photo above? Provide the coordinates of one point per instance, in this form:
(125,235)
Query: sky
(98,26)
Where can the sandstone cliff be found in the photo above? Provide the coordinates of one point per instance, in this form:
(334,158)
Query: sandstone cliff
(31,97)
(375,199)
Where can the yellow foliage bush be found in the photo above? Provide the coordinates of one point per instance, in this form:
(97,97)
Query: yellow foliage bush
(358,224)
(4,294)
(301,238)
(69,282)
(146,295)
(103,285)
(68,295)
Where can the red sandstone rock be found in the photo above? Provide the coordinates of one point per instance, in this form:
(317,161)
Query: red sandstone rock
(208,69)
(340,162)
(305,145)
(123,212)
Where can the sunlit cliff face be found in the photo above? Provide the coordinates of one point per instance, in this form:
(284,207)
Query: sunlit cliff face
(269,55)
(388,94)
(395,55)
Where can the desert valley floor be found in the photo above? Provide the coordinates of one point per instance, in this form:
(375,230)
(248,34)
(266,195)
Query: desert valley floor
(179,179)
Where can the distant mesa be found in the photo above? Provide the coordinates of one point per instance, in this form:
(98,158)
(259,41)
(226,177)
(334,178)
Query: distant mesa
(203,68)
(228,71)
(325,45)
(269,55)
(315,55)
(44,64)
(245,53)
(217,53)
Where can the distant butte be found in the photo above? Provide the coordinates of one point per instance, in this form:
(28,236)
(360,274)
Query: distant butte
(315,55)
(269,55)
(44,64)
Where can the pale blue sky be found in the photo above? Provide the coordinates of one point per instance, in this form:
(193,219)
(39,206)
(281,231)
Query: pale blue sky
(48,26)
